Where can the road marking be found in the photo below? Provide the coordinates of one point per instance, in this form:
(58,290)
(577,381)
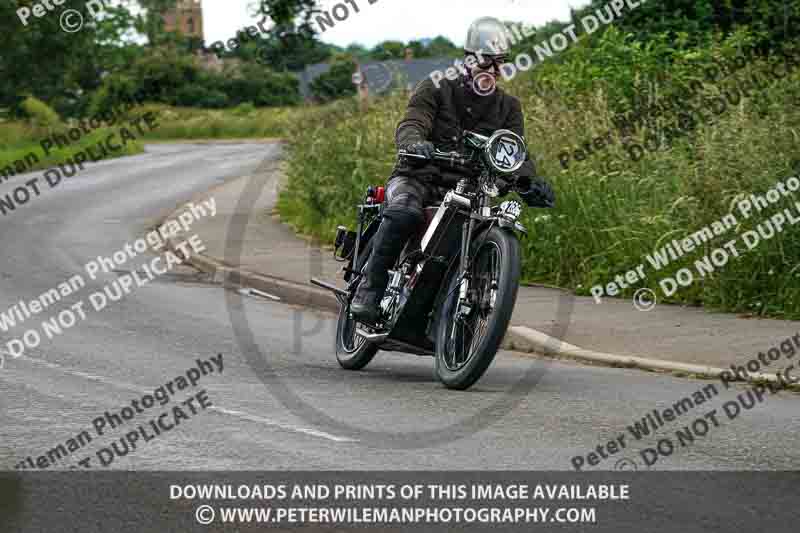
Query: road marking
(90,377)
(313,432)
(248,291)
(229,412)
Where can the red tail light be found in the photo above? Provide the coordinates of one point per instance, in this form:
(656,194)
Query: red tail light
(376,195)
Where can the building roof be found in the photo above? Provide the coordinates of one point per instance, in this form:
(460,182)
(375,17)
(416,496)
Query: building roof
(382,76)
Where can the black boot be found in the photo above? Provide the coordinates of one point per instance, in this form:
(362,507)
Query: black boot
(395,230)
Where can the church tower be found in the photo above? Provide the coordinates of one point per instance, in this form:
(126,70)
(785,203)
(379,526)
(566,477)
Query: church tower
(186,17)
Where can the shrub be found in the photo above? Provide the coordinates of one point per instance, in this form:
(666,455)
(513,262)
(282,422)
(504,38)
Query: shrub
(336,83)
(261,86)
(155,77)
(39,113)
(244,109)
(212,99)
(193,123)
(199,96)
(170,78)
(611,210)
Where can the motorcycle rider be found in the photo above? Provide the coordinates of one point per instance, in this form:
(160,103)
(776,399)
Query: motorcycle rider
(436,116)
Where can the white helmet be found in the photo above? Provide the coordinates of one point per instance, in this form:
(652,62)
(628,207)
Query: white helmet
(487,36)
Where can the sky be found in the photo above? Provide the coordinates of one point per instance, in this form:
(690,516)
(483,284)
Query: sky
(398,20)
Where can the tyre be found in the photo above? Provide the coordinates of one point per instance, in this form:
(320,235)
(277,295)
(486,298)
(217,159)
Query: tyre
(352,351)
(468,339)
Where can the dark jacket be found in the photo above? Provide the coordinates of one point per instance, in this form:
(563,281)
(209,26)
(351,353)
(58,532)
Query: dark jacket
(433,115)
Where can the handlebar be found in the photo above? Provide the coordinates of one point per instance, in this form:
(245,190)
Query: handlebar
(452,158)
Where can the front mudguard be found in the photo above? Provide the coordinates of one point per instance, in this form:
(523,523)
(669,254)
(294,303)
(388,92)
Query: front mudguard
(511,225)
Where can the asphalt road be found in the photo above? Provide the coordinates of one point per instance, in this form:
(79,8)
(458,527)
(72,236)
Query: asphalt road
(309,414)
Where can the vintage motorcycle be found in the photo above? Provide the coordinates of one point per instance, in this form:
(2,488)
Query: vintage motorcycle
(452,292)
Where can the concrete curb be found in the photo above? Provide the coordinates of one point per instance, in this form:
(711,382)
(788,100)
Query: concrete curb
(530,340)
(521,338)
(288,291)
(518,338)
(258,140)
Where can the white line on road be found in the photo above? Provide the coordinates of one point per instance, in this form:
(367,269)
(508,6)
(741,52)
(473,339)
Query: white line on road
(247,291)
(144,390)
(252,418)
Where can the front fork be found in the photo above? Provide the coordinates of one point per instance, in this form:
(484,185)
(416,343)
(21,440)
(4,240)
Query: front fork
(463,289)
(464,305)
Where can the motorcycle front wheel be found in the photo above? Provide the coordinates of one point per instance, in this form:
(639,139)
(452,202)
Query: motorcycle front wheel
(470,334)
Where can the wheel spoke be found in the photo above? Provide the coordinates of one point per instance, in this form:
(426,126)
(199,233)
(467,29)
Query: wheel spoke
(485,273)
(460,354)
(351,340)
(478,336)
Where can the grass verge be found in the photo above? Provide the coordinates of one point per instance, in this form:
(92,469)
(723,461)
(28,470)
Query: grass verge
(21,150)
(612,210)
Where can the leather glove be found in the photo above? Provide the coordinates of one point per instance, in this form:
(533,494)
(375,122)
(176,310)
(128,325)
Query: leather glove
(537,193)
(503,186)
(425,148)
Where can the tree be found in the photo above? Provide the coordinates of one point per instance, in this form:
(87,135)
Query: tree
(388,50)
(336,83)
(777,19)
(63,68)
(260,86)
(41,59)
(150,22)
(443,47)
(357,51)
(419,49)
(292,42)
(291,50)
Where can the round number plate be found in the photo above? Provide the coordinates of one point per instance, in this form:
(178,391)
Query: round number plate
(506,151)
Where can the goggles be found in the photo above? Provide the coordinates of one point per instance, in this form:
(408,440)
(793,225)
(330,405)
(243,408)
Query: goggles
(487,62)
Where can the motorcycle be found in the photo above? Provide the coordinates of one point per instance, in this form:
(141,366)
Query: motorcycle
(452,292)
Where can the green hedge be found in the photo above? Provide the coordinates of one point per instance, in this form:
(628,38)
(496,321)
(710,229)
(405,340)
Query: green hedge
(611,211)
(174,79)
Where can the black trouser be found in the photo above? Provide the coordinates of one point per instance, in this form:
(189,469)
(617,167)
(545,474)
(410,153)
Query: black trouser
(410,195)
(403,215)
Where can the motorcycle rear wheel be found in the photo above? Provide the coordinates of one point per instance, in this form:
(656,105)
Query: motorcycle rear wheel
(353,351)
(466,344)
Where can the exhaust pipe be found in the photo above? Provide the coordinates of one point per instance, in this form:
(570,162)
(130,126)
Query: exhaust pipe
(329,286)
(371,337)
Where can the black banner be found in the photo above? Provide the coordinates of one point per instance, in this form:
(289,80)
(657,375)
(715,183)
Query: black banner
(644,502)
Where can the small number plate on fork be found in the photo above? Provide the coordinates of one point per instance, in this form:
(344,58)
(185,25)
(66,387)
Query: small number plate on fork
(511,209)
